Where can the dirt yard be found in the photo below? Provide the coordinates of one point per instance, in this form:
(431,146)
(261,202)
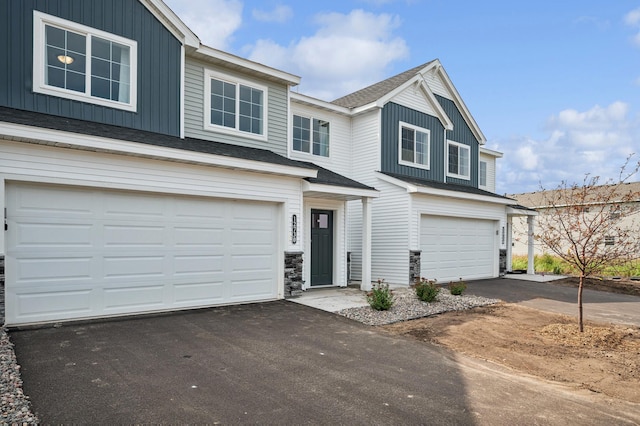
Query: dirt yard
(604,359)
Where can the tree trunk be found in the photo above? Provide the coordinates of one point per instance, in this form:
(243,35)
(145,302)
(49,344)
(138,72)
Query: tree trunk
(580,286)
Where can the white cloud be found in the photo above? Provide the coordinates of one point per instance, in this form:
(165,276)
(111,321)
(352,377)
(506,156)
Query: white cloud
(595,142)
(347,52)
(213,21)
(633,17)
(280,14)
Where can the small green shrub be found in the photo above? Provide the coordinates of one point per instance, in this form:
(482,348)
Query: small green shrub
(426,290)
(380,297)
(457,288)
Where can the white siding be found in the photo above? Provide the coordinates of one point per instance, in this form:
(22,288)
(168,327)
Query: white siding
(491,172)
(194,110)
(435,83)
(414,98)
(365,159)
(339,159)
(390,235)
(37,163)
(365,147)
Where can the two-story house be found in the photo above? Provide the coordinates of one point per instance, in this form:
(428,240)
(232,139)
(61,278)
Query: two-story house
(141,171)
(412,138)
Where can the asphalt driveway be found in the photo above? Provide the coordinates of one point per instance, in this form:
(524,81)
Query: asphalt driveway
(597,305)
(278,363)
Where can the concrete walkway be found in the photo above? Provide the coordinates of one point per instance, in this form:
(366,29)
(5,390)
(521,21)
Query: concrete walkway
(534,291)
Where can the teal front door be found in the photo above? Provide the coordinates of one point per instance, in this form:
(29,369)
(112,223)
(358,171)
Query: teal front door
(321,247)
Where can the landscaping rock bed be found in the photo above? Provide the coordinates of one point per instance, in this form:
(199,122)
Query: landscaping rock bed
(15,407)
(407,306)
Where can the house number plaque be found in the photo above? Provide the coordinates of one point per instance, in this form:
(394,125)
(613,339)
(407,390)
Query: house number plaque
(294,229)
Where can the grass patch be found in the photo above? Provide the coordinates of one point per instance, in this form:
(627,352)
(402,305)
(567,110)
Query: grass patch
(554,265)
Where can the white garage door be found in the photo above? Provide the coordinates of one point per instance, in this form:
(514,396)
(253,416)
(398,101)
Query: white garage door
(454,248)
(83,253)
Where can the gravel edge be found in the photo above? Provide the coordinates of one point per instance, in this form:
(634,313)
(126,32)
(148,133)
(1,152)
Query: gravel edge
(407,306)
(15,405)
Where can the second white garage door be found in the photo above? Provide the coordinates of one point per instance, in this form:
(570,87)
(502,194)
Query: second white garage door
(454,248)
(83,253)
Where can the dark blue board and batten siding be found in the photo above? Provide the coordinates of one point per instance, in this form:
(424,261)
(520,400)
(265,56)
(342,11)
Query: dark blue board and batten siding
(158,79)
(461,133)
(392,115)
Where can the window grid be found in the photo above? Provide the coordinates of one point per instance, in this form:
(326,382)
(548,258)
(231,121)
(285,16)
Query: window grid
(82,63)
(459,160)
(311,135)
(414,146)
(236,106)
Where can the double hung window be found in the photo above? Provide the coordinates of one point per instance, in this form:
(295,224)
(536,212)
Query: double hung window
(311,135)
(459,164)
(233,105)
(414,146)
(83,63)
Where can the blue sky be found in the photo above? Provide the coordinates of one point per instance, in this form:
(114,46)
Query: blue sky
(554,85)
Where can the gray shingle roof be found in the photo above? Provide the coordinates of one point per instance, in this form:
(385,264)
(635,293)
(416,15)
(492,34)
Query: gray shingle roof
(327,177)
(445,186)
(35,119)
(71,125)
(376,91)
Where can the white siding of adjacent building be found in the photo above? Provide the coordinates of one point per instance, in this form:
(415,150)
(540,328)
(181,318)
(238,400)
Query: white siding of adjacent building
(339,159)
(277,110)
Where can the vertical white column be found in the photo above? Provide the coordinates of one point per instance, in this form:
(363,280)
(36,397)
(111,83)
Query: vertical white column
(530,265)
(509,243)
(365,285)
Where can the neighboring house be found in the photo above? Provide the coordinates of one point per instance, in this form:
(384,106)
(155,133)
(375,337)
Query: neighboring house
(538,201)
(142,172)
(413,139)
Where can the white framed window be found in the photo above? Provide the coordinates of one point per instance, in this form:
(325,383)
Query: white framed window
(311,135)
(234,106)
(459,160)
(414,146)
(74,61)
(482,172)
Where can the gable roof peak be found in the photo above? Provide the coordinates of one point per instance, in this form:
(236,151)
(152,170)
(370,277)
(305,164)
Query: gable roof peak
(377,90)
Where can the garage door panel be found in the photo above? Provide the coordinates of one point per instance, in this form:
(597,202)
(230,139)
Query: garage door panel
(134,267)
(51,305)
(454,248)
(198,237)
(198,265)
(127,206)
(54,203)
(36,269)
(131,299)
(122,255)
(35,235)
(199,293)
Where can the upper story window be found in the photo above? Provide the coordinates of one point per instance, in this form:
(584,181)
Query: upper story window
(311,135)
(482,178)
(459,164)
(232,105)
(82,63)
(414,146)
